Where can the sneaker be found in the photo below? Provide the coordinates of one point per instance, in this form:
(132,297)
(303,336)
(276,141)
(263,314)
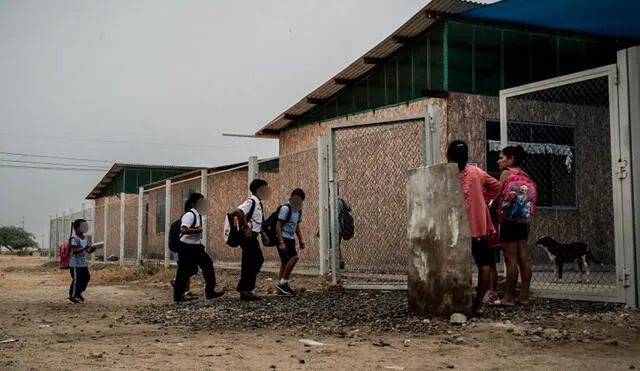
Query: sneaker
(249,296)
(81,298)
(188,296)
(173,283)
(73,301)
(284,289)
(216,294)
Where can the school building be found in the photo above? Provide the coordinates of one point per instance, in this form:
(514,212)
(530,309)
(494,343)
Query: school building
(509,72)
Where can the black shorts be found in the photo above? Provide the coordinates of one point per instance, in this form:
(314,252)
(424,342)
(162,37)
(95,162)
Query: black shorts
(482,253)
(511,231)
(289,250)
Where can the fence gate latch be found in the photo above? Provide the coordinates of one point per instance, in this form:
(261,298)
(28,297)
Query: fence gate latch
(622,169)
(627,277)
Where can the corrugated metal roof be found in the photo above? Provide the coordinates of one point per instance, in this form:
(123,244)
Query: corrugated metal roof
(117,168)
(412,28)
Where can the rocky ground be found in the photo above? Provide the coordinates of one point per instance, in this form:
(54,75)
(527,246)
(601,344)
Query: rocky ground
(128,322)
(348,313)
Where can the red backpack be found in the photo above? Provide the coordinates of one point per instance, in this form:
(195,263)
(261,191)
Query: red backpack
(65,253)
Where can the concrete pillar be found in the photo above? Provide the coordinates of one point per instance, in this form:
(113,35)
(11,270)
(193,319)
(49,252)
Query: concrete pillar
(439,279)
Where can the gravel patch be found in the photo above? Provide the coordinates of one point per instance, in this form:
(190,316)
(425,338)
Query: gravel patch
(343,313)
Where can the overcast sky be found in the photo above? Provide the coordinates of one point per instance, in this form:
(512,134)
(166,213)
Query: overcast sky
(174,72)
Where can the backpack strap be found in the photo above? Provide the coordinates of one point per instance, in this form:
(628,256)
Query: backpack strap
(249,215)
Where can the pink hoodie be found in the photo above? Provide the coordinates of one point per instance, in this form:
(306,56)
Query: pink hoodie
(477,187)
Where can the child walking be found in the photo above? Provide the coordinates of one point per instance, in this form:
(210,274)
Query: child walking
(251,216)
(477,186)
(79,246)
(287,229)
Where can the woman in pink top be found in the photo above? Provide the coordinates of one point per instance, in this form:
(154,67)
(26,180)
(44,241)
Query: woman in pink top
(477,186)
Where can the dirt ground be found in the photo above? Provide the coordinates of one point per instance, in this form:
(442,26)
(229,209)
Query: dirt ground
(109,332)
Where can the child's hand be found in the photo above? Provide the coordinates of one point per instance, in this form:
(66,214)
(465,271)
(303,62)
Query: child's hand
(281,245)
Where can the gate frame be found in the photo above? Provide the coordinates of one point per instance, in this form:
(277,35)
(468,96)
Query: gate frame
(430,139)
(620,155)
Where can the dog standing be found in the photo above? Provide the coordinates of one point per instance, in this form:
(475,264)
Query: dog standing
(561,253)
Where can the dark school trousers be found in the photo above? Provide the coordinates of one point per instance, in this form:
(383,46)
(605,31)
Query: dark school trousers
(79,280)
(252,260)
(191,257)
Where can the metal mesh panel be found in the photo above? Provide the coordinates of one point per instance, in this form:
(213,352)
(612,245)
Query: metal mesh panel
(153,228)
(97,228)
(297,170)
(130,229)
(227,190)
(112,246)
(371,165)
(566,133)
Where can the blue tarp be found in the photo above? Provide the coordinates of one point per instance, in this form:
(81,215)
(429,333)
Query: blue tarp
(617,18)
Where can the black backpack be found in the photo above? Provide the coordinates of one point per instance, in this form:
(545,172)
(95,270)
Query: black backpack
(347,227)
(233,232)
(175,232)
(269,235)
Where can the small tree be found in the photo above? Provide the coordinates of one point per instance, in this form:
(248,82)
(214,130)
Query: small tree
(16,238)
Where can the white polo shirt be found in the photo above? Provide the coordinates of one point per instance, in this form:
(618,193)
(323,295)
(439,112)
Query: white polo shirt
(257,217)
(188,222)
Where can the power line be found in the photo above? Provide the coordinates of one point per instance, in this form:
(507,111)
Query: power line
(120,141)
(54,163)
(51,168)
(55,157)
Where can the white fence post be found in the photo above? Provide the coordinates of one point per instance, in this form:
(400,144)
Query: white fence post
(141,222)
(253,170)
(55,237)
(122,210)
(105,229)
(92,228)
(167,221)
(204,190)
(323,204)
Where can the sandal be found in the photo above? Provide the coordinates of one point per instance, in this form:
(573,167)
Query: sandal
(491,299)
(502,304)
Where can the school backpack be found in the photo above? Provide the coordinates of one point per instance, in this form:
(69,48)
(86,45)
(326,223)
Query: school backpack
(233,231)
(347,226)
(269,235)
(519,197)
(175,232)
(64,252)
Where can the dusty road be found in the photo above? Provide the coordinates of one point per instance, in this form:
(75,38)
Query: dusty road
(129,323)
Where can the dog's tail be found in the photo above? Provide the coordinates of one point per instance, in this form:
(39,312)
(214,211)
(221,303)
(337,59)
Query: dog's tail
(591,258)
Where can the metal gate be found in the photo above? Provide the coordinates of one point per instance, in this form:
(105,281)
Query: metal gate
(368,164)
(570,130)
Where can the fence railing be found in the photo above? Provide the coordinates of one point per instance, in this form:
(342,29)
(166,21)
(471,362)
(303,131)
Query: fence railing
(134,227)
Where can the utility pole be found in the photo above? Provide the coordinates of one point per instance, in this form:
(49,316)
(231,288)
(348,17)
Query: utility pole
(23,222)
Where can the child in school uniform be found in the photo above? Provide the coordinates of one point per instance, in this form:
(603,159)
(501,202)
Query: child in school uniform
(78,268)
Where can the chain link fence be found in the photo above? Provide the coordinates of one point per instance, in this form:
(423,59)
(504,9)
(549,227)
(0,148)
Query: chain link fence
(566,133)
(370,167)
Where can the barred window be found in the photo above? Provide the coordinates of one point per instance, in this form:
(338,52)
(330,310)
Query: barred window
(550,159)
(160,210)
(186,192)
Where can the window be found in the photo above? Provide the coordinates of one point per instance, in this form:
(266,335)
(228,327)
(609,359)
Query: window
(460,57)
(550,159)
(146,218)
(160,210)
(186,192)
(487,60)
